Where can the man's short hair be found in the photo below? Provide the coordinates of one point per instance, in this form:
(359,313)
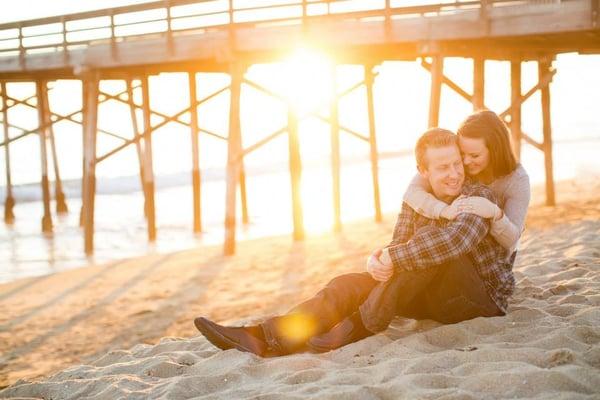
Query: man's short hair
(433,137)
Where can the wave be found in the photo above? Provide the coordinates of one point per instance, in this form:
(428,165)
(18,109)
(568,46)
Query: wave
(31,192)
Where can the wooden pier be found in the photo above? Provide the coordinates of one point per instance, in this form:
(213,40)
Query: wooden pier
(134,42)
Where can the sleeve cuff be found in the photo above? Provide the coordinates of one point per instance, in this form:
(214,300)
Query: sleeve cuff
(437,210)
(499,226)
(399,259)
(385,256)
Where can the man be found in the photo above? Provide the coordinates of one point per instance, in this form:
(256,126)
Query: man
(448,271)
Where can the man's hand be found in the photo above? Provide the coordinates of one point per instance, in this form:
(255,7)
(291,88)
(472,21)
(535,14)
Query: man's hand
(478,206)
(376,266)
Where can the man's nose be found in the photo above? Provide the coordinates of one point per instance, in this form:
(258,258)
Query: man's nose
(454,172)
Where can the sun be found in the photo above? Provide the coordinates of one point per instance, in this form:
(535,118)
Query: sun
(306,81)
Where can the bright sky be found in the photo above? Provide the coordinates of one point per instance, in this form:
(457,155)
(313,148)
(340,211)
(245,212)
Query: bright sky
(32,9)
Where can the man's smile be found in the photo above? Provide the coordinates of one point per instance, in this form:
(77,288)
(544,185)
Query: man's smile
(453,184)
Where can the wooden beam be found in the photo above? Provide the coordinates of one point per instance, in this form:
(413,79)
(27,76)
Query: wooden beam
(136,133)
(240,152)
(515,109)
(478,83)
(234,149)
(547,78)
(61,204)
(243,198)
(341,127)
(195,132)
(369,80)
(437,71)
(43,133)
(450,83)
(90,121)
(295,174)
(544,67)
(148,163)
(529,140)
(59,117)
(116,97)
(350,89)
(84,107)
(263,141)
(9,203)
(153,128)
(335,152)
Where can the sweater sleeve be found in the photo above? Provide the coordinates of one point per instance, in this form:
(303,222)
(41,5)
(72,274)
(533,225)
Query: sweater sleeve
(507,230)
(434,245)
(419,198)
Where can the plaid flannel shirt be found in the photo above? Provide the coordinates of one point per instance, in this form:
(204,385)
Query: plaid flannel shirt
(420,242)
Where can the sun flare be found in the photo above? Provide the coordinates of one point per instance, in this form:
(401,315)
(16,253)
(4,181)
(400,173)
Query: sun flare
(306,80)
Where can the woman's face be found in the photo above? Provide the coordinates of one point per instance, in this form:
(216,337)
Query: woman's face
(476,156)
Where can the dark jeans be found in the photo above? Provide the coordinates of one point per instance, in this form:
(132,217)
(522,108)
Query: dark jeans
(447,293)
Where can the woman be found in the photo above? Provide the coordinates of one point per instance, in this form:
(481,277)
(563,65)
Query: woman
(488,158)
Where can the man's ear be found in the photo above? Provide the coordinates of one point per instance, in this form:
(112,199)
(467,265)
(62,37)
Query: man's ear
(423,171)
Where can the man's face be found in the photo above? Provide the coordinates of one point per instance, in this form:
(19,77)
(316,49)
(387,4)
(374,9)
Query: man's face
(444,171)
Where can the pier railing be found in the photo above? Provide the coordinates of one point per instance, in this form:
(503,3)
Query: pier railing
(176,17)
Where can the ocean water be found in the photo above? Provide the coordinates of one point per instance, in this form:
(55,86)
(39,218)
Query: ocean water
(401,98)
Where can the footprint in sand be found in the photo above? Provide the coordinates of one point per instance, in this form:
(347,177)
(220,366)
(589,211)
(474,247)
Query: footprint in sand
(587,334)
(562,311)
(558,357)
(526,315)
(592,357)
(448,336)
(571,273)
(557,289)
(574,299)
(305,377)
(165,369)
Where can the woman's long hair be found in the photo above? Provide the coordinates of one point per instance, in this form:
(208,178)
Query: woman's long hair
(487,125)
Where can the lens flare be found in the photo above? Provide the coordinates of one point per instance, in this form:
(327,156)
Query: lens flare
(297,328)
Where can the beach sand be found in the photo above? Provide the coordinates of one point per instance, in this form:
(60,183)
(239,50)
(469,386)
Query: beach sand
(124,330)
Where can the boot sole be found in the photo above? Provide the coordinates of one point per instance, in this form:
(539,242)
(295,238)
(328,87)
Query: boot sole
(210,331)
(206,329)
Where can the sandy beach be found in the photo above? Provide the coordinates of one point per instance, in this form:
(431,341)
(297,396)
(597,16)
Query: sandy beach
(124,329)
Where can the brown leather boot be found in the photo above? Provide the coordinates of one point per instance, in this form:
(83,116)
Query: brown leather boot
(244,338)
(348,331)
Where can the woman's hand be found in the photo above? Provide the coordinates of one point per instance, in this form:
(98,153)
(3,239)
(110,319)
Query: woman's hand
(449,212)
(479,206)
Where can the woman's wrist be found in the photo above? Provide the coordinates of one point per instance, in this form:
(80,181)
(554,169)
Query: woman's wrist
(499,214)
